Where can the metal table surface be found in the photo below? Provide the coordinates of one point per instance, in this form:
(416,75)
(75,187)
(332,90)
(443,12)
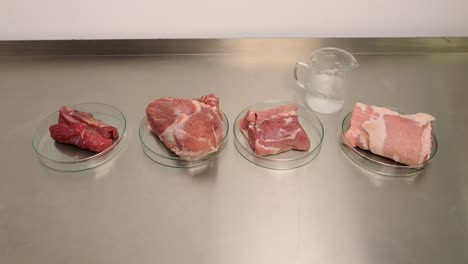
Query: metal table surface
(132,210)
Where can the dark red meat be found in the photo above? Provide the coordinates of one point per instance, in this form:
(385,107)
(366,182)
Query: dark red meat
(69,116)
(79,135)
(82,130)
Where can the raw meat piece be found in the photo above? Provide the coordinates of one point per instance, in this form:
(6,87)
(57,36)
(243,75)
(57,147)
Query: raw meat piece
(213,101)
(80,135)
(404,138)
(275,130)
(191,128)
(82,130)
(70,116)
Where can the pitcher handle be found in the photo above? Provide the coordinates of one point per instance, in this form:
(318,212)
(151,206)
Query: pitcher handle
(303,64)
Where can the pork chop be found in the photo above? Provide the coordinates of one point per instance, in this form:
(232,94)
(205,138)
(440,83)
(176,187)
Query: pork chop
(191,128)
(274,131)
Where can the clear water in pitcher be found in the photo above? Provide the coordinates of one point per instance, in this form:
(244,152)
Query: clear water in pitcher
(324,93)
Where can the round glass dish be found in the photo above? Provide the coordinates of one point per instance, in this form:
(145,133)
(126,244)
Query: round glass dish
(289,159)
(378,164)
(65,157)
(158,152)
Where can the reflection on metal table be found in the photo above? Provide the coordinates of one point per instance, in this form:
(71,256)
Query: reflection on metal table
(133,210)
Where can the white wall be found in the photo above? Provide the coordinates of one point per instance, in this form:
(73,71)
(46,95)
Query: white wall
(97,19)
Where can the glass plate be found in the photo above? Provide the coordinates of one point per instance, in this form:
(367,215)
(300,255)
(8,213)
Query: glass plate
(378,164)
(158,152)
(65,157)
(289,159)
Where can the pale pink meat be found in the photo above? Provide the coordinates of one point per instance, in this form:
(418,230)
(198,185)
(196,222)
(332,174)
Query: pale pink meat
(275,130)
(404,138)
(190,128)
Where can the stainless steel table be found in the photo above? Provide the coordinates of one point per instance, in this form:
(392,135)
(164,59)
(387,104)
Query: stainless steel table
(132,210)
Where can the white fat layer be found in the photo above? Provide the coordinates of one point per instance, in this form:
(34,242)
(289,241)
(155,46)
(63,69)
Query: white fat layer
(180,133)
(273,149)
(361,106)
(376,128)
(377,131)
(281,132)
(177,111)
(421,118)
(294,134)
(289,113)
(362,141)
(197,106)
(174,128)
(175,131)
(280,115)
(288,120)
(214,133)
(426,143)
(384,111)
(396,158)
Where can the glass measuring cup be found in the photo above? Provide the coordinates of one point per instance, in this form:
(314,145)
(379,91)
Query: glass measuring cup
(324,78)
